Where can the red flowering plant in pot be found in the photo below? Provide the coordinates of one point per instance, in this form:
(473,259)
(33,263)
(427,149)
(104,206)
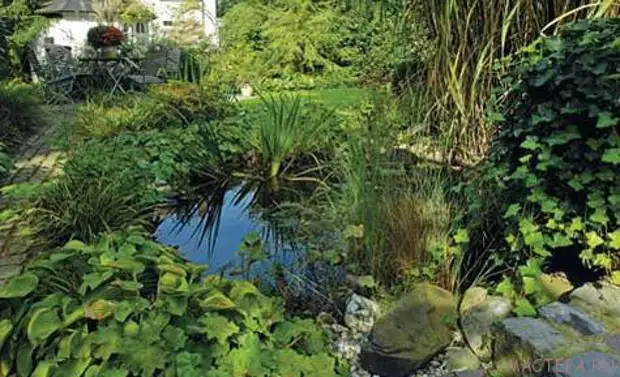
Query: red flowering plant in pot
(107,38)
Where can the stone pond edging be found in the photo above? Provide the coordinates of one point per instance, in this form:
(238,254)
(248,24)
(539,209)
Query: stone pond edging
(578,336)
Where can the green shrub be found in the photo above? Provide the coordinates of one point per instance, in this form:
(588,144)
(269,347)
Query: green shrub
(555,159)
(21,111)
(127,306)
(6,163)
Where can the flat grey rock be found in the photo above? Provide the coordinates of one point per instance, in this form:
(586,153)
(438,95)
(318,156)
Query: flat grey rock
(468,373)
(603,297)
(613,342)
(568,315)
(540,337)
(588,364)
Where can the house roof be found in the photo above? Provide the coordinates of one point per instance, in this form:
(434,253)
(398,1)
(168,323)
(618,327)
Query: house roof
(67,6)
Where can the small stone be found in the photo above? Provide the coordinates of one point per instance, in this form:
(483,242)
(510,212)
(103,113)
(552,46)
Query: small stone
(361,313)
(588,364)
(473,297)
(460,359)
(562,313)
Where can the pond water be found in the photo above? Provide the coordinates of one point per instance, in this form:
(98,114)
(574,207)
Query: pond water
(210,225)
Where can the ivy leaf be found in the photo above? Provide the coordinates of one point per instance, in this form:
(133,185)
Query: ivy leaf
(20,286)
(600,216)
(523,308)
(44,322)
(506,288)
(612,156)
(530,285)
(531,268)
(606,119)
(530,143)
(513,209)
(614,243)
(461,236)
(593,240)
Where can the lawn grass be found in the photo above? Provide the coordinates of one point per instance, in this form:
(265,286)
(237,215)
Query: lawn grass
(338,98)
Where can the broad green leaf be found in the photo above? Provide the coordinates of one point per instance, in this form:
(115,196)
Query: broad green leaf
(72,368)
(506,288)
(599,216)
(189,365)
(20,286)
(75,245)
(614,238)
(99,310)
(523,308)
(44,322)
(44,368)
(123,310)
(6,328)
(93,280)
(65,346)
(512,210)
(175,337)
(461,236)
(217,301)
(217,327)
(24,360)
(606,119)
(530,143)
(612,155)
(176,304)
(530,285)
(242,288)
(593,240)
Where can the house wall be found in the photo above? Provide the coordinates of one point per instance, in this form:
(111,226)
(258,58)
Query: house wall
(69,31)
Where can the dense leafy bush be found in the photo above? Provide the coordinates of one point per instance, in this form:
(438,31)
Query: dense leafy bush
(555,159)
(20,111)
(127,306)
(111,184)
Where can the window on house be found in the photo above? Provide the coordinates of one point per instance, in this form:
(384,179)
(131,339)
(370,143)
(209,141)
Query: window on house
(167,23)
(141,28)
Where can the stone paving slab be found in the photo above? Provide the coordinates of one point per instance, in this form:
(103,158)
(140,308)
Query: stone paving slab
(35,163)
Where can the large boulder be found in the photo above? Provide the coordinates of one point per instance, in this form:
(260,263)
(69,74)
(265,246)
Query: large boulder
(477,324)
(417,328)
(601,299)
(521,343)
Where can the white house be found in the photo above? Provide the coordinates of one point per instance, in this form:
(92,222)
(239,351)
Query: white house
(71,20)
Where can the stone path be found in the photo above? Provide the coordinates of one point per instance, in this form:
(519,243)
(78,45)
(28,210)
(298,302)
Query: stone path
(35,163)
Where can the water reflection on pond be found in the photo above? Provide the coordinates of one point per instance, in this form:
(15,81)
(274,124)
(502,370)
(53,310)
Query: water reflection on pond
(208,224)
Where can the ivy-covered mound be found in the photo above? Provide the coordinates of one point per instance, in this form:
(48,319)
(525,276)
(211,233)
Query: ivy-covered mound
(128,306)
(557,153)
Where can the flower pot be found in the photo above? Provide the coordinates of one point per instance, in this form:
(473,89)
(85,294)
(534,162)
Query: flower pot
(109,52)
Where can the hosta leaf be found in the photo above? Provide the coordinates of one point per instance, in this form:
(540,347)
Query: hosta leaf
(6,328)
(99,310)
(24,360)
(72,368)
(123,310)
(75,245)
(217,301)
(43,323)
(94,280)
(19,286)
(44,369)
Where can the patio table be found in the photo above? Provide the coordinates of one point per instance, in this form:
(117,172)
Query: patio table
(111,69)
